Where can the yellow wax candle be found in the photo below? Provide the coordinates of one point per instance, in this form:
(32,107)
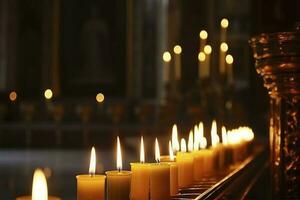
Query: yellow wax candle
(118,181)
(91,186)
(140,178)
(185,163)
(160,181)
(203,163)
(159,178)
(177,62)
(173,170)
(39,188)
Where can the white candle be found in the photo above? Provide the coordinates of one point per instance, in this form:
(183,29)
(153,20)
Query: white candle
(224,25)
(166,71)
(203,38)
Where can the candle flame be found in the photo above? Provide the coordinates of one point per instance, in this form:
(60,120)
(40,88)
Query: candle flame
(196,138)
(157,153)
(224,47)
(203,34)
(203,143)
(214,136)
(224,136)
(39,186)
(142,151)
(224,23)
(207,49)
(167,56)
(175,142)
(190,141)
(119,155)
(201,56)
(171,154)
(229,59)
(177,49)
(183,145)
(92,169)
(201,130)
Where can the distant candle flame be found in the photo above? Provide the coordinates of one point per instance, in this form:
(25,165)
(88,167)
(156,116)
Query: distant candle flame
(183,145)
(203,143)
(224,23)
(142,151)
(201,56)
(167,56)
(190,141)
(157,152)
(214,136)
(207,49)
(119,155)
(201,129)
(92,169)
(175,142)
(224,136)
(177,49)
(229,59)
(39,186)
(203,34)
(224,47)
(239,135)
(171,154)
(196,138)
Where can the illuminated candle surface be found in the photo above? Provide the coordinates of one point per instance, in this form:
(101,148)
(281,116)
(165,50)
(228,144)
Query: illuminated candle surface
(229,62)
(202,69)
(207,50)
(140,179)
(118,181)
(39,188)
(91,186)
(170,159)
(185,163)
(177,50)
(159,177)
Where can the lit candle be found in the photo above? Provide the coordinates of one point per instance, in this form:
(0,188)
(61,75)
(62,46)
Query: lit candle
(202,69)
(185,163)
(224,25)
(91,186)
(159,178)
(215,140)
(207,51)
(39,188)
(177,62)
(229,62)
(175,142)
(166,71)
(140,179)
(223,50)
(203,37)
(203,161)
(118,182)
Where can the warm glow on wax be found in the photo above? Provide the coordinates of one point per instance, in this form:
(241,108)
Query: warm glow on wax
(175,142)
(39,186)
(119,155)
(142,151)
(92,169)
(157,152)
(183,145)
(171,154)
(190,141)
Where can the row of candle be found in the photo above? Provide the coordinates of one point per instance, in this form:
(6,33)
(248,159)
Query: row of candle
(160,180)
